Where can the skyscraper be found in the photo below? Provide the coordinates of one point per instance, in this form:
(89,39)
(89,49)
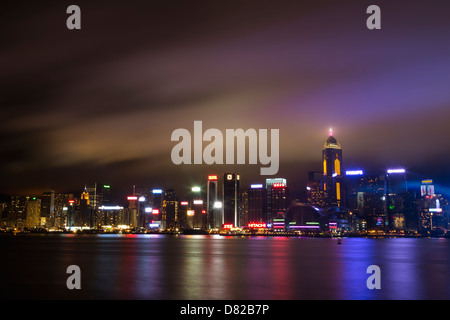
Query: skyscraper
(48,207)
(396,201)
(105,194)
(332,172)
(365,197)
(271,210)
(231,199)
(84,215)
(33,213)
(314,189)
(213,210)
(257,204)
(279,199)
(170,209)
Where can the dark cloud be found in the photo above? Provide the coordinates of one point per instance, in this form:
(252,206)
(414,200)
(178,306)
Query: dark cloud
(100,104)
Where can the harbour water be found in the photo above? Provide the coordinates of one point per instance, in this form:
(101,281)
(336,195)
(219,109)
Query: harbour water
(203,267)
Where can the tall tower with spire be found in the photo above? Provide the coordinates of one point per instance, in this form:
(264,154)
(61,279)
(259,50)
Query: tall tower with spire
(333,177)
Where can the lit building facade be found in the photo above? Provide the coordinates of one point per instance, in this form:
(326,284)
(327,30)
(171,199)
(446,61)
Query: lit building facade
(213,209)
(33,219)
(272,211)
(231,213)
(257,204)
(333,178)
(314,189)
(170,210)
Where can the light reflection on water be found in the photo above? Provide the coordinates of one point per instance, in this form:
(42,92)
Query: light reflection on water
(216,267)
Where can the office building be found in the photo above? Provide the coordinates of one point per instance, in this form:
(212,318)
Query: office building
(84,211)
(315,195)
(170,210)
(48,208)
(271,210)
(279,199)
(257,204)
(213,209)
(33,218)
(231,199)
(333,172)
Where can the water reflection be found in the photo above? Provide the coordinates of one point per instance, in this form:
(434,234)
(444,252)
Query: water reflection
(216,267)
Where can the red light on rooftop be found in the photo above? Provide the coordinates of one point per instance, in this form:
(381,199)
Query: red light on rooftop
(278,185)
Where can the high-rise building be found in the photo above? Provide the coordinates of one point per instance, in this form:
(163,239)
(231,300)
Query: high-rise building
(33,219)
(314,189)
(243,204)
(84,214)
(365,197)
(110,215)
(397,200)
(231,199)
(432,211)
(196,214)
(105,195)
(333,172)
(279,198)
(183,222)
(257,204)
(170,210)
(48,208)
(60,209)
(16,216)
(93,195)
(271,210)
(213,209)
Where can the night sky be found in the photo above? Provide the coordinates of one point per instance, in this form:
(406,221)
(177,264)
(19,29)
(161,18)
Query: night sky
(100,104)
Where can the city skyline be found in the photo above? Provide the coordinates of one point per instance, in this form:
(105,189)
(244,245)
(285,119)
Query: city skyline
(350,201)
(120,192)
(99,104)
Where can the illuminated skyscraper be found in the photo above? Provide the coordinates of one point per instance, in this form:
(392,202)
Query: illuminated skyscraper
(213,210)
(257,204)
(365,197)
(314,189)
(243,207)
(231,199)
(84,215)
(279,198)
(105,194)
(400,208)
(48,208)
(272,211)
(33,213)
(333,172)
(170,209)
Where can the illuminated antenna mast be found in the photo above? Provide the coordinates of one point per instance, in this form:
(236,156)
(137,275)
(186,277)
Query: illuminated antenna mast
(331,132)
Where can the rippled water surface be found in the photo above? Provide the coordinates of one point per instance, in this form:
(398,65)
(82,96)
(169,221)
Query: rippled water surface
(216,267)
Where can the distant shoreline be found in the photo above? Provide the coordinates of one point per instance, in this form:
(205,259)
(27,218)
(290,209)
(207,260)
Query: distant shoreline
(268,235)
